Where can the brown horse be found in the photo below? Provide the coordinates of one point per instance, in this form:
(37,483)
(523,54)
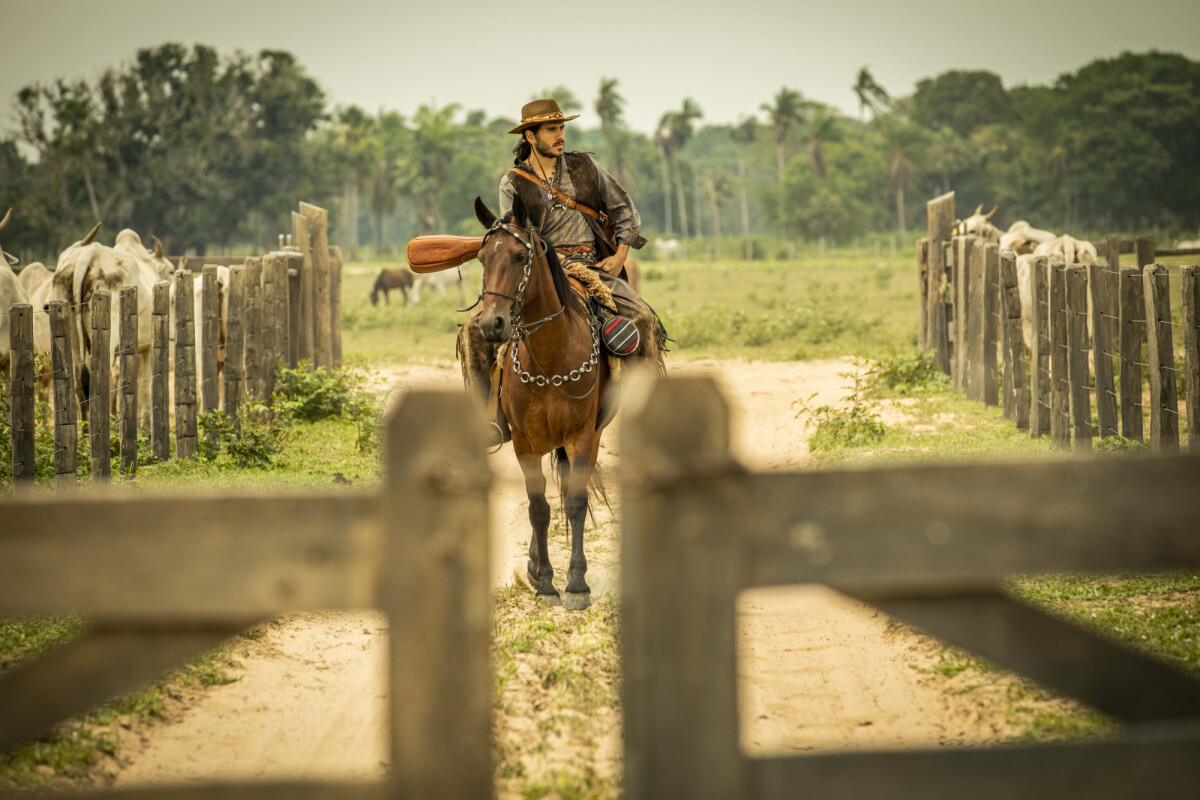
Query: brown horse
(554,385)
(399,278)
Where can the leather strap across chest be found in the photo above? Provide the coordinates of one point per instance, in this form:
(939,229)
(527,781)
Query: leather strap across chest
(566,200)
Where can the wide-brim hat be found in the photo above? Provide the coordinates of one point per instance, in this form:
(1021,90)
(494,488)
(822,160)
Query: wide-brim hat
(536,112)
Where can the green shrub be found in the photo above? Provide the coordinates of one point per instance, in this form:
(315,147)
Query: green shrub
(307,395)
(906,373)
(253,442)
(1118,445)
(838,428)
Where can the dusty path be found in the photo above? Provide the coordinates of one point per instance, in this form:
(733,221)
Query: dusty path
(819,670)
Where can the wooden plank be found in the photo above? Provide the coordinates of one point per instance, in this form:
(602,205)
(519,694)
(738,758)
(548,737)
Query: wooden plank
(929,530)
(318,222)
(90,670)
(21,413)
(1164,400)
(295,264)
(160,372)
(974,292)
(306,551)
(304,245)
(186,442)
(1060,388)
(1015,340)
(1145,251)
(1159,763)
(256,790)
(335,303)
(990,376)
(252,275)
(1078,374)
(441,702)
(1039,363)
(923,293)
(1132,321)
(209,325)
(282,333)
(1191,347)
(127,400)
(235,340)
(941,224)
(679,581)
(1008,399)
(266,329)
(1114,679)
(66,404)
(1100,285)
(961,288)
(100,382)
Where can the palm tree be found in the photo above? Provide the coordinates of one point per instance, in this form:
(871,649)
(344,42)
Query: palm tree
(660,144)
(787,111)
(383,177)
(353,139)
(610,106)
(720,187)
(743,134)
(902,142)
(870,95)
(821,127)
(678,132)
(423,169)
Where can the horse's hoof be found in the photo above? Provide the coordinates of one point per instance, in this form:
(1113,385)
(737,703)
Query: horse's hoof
(550,599)
(577,601)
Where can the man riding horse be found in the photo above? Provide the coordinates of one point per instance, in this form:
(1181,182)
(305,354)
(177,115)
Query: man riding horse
(581,211)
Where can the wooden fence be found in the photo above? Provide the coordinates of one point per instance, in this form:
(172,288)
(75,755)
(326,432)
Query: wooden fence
(928,545)
(267,322)
(971,315)
(161,579)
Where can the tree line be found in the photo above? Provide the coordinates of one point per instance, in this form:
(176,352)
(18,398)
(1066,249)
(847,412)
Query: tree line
(209,151)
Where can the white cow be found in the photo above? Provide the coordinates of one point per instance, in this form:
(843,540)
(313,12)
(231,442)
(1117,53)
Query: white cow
(979,224)
(667,249)
(1061,248)
(1022,237)
(1188,243)
(429,281)
(11,292)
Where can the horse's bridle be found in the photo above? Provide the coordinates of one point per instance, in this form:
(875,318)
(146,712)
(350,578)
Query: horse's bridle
(522,330)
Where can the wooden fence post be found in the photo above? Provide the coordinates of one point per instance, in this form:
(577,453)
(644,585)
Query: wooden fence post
(100,384)
(318,220)
(295,263)
(210,309)
(282,338)
(235,338)
(266,329)
(923,293)
(252,319)
(1145,251)
(1039,365)
(1018,390)
(305,298)
(959,320)
(160,372)
(1190,287)
(185,366)
(127,401)
(941,224)
(1060,395)
(682,498)
(1101,287)
(21,370)
(437,479)
(66,406)
(1077,357)
(1133,334)
(1164,400)
(1112,253)
(990,377)
(335,304)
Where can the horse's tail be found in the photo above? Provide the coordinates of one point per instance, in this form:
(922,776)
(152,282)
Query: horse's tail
(561,465)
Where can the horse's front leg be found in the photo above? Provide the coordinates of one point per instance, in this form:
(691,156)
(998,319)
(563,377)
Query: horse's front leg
(539,571)
(583,461)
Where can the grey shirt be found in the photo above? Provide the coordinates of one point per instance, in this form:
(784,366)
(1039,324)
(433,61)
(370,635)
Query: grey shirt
(565,226)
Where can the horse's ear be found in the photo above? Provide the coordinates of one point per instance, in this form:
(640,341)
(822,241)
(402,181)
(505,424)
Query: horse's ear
(484,214)
(520,214)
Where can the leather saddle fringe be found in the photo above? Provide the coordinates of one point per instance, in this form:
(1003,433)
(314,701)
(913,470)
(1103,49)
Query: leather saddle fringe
(592,285)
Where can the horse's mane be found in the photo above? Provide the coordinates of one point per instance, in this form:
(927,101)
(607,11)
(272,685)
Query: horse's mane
(562,284)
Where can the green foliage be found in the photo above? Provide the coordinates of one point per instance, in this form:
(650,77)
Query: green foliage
(1118,445)
(252,443)
(306,394)
(904,373)
(838,428)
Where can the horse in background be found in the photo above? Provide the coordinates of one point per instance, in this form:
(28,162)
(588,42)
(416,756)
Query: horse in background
(399,278)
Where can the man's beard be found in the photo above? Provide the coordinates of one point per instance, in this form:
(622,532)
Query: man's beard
(545,151)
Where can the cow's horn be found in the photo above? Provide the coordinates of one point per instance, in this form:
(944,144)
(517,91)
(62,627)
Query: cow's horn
(4,222)
(991,213)
(978,210)
(158,248)
(92,234)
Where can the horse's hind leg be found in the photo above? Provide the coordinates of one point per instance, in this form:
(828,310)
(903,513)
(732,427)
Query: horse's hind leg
(539,571)
(579,594)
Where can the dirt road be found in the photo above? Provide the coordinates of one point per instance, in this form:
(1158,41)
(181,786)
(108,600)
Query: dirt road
(819,671)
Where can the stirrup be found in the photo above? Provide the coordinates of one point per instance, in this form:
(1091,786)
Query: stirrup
(499,437)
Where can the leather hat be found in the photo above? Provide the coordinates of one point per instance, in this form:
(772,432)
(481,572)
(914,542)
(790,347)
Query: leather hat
(535,112)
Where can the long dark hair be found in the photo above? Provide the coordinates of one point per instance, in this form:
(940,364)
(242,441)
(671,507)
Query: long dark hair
(523,149)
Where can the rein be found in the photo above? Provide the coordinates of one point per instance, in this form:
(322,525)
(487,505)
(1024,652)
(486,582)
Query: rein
(523,330)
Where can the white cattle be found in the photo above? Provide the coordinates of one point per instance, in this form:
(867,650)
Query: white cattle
(38,281)
(429,281)
(1022,237)
(1188,244)
(667,249)
(979,224)
(11,292)
(1063,248)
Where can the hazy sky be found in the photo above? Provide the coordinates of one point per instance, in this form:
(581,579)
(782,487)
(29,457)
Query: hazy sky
(730,55)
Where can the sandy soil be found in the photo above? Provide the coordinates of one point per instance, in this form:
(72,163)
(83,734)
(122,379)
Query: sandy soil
(819,671)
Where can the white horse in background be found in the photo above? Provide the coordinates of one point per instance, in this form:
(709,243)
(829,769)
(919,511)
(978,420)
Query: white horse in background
(430,281)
